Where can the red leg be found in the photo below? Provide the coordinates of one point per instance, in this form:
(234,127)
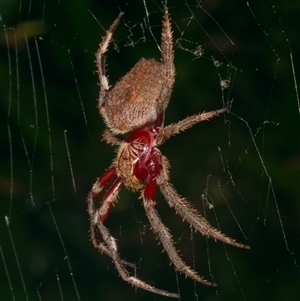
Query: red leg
(109,198)
(108,176)
(154,168)
(110,194)
(150,190)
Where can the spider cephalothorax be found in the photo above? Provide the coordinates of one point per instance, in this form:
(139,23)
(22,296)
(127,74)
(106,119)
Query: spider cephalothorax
(136,105)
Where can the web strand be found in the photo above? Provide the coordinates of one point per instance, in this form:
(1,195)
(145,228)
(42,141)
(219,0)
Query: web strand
(240,170)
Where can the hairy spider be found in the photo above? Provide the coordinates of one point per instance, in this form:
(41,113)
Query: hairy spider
(136,104)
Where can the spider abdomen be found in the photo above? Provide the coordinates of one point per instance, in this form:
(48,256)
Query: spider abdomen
(132,102)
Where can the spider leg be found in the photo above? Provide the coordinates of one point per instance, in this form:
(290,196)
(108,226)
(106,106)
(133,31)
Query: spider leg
(109,198)
(100,57)
(91,210)
(168,60)
(107,177)
(164,236)
(104,249)
(167,52)
(110,249)
(110,195)
(175,128)
(159,228)
(190,214)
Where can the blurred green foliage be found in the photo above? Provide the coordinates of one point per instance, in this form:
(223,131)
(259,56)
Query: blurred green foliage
(49,122)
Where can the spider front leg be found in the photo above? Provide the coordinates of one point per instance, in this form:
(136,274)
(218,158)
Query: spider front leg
(95,240)
(110,249)
(111,193)
(158,227)
(107,177)
(103,211)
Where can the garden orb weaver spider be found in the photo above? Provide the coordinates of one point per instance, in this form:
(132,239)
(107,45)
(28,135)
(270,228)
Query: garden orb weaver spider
(136,104)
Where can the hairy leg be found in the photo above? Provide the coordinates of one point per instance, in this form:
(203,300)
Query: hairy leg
(175,128)
(168,60)
(100,57)
(189,213)
(158,227)
(109,247)
(165,238)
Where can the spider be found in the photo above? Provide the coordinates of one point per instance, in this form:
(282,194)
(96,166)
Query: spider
(136,106)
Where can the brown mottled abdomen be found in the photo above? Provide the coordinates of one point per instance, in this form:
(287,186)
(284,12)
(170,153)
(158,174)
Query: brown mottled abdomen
(132,102)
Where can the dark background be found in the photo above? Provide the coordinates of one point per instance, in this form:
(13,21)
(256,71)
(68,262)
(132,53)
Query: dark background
(246,164)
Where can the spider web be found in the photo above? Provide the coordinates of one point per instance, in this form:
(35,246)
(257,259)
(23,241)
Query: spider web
(241,171)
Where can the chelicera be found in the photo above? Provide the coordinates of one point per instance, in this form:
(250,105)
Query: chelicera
(136,106)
